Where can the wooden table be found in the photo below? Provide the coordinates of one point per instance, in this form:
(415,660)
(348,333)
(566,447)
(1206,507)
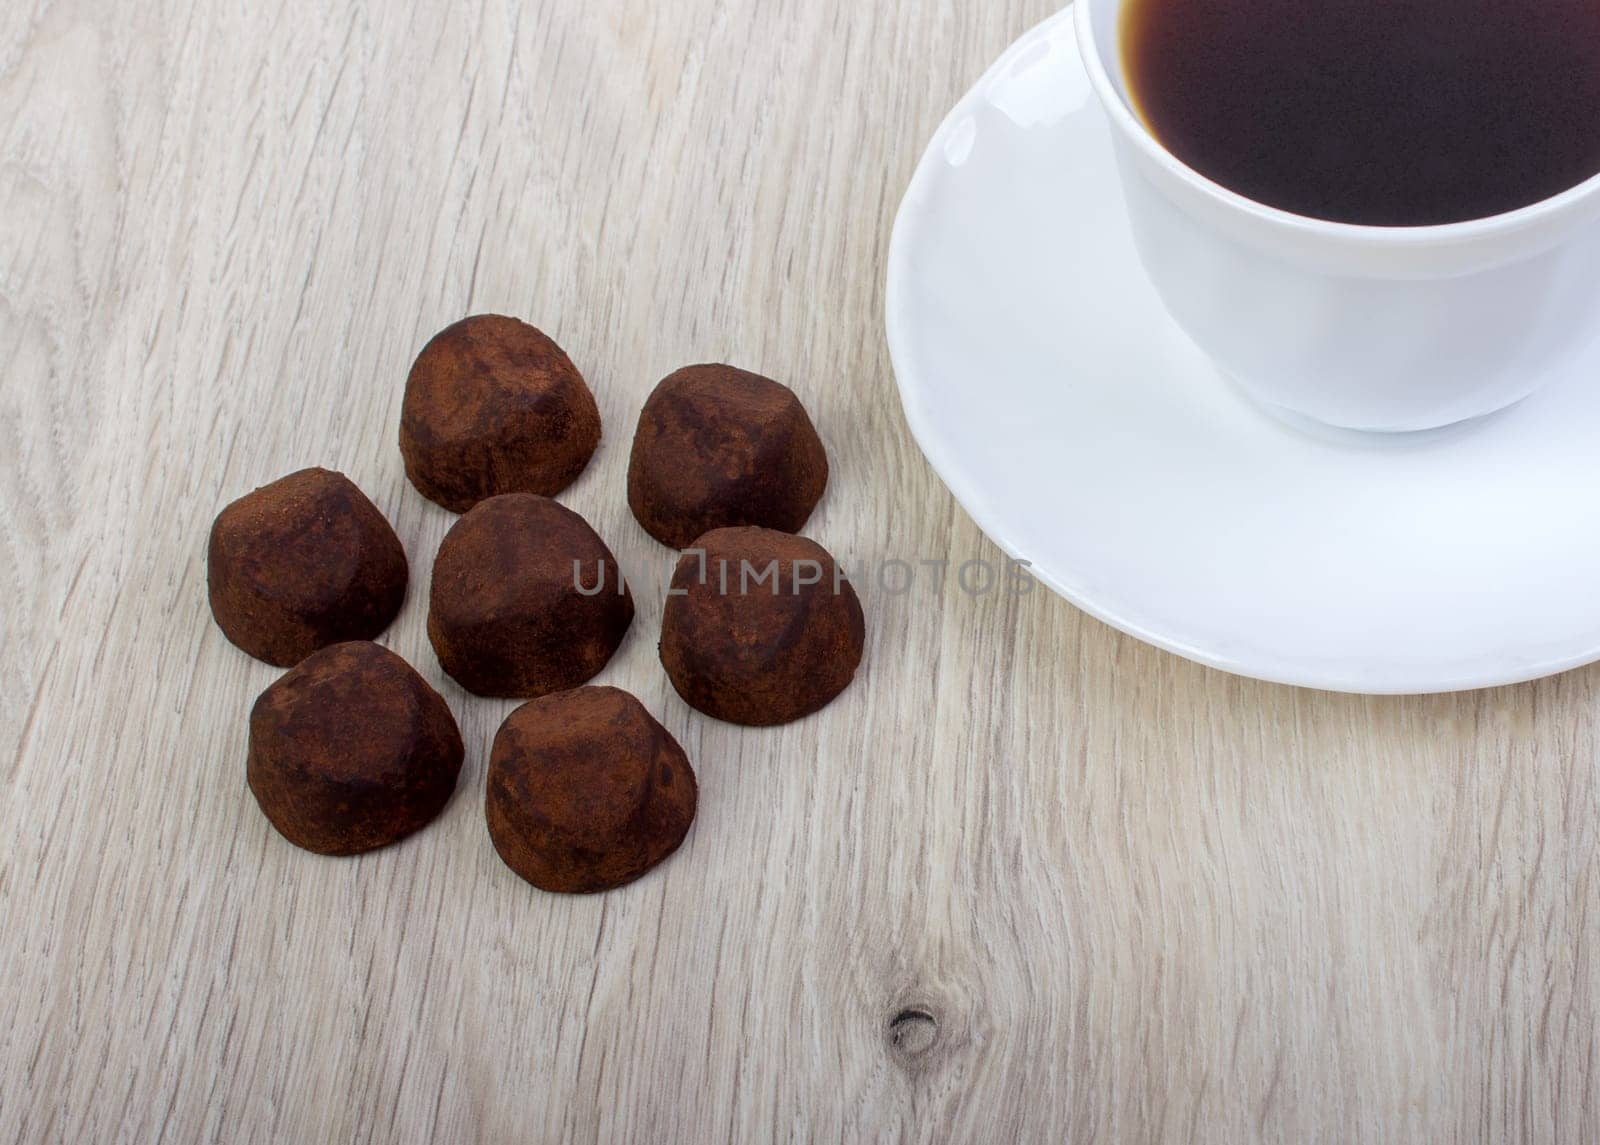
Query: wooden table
(1028,879)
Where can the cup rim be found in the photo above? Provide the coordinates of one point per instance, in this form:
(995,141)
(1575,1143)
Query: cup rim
(1135,129)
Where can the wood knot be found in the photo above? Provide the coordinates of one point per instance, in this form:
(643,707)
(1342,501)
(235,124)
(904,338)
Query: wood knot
(913,1032)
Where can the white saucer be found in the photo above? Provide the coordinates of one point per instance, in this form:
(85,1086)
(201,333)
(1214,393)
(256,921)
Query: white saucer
(1084,433)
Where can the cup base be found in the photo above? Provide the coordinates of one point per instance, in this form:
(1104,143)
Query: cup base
(1366,438)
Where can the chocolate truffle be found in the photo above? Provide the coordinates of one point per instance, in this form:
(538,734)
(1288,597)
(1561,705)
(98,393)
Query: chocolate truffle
(587,791)
(527,600)
(493,406)
(761,628)
(302,563)
(718,447)
(352,751)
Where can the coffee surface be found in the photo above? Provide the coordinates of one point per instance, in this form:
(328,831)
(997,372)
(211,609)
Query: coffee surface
(1382,112)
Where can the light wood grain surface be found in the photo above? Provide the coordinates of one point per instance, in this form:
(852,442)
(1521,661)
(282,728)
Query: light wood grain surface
(1027,880)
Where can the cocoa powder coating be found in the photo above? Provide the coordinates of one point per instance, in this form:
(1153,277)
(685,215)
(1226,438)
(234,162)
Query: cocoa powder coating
(587,792)
(351,751)
(719,447)
(526,599)
(760,628)
(494,406)
(303,563)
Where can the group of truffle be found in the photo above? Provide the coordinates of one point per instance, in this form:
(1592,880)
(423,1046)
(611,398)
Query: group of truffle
(353,750)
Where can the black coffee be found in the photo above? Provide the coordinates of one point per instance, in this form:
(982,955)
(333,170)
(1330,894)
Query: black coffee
(1385,112)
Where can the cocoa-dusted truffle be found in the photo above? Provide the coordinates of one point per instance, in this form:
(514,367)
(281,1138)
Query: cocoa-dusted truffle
(527,600)
(493,406)
(718,447)
(587,791)
(761,627)
(351,751)
(302,563)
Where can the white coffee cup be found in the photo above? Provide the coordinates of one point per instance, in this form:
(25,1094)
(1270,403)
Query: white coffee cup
(1371,328)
